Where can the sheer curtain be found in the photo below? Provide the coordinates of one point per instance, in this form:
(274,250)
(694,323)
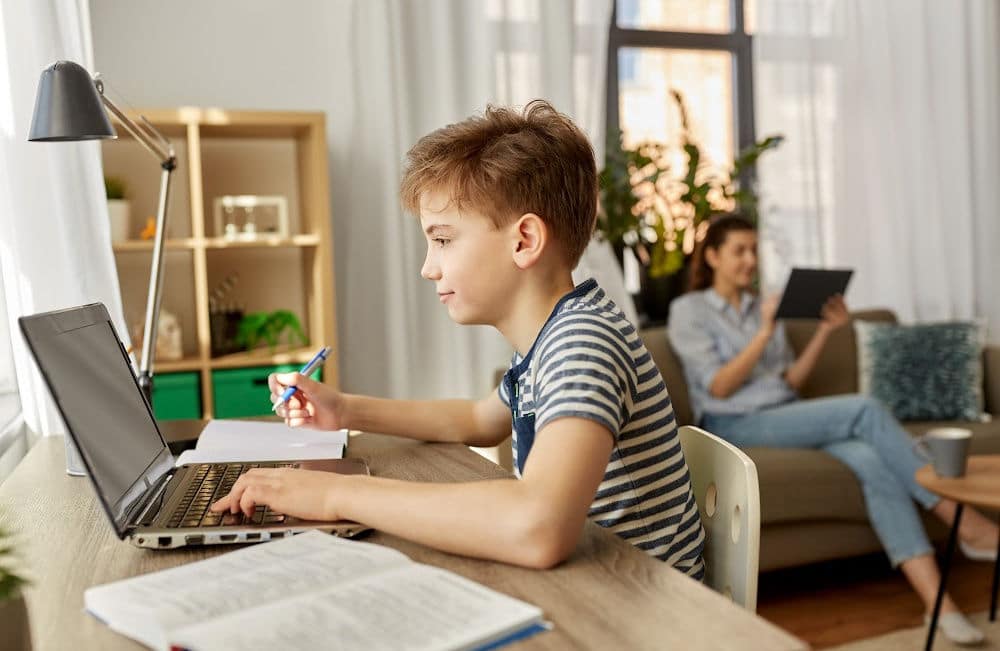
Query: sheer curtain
(55,245)
(418,67)
(892,116)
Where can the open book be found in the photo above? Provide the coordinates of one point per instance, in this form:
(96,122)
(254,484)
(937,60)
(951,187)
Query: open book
(313,591)
(247,440)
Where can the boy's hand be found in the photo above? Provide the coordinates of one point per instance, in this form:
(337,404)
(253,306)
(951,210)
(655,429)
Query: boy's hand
(314,404)
(303,494)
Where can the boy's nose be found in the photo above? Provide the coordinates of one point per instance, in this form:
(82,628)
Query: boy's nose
(430,271)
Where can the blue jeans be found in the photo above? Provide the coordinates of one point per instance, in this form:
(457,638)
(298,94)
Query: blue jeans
(866,438)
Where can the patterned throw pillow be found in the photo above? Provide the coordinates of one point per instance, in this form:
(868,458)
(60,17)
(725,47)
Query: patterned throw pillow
(923,372)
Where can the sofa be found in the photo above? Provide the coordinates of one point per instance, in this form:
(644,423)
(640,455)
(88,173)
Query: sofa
(812,507)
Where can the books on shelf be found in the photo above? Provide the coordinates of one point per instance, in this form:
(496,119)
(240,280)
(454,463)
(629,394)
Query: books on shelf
(246,440)
(313,591)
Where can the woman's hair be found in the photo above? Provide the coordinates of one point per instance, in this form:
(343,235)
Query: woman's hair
(702,275)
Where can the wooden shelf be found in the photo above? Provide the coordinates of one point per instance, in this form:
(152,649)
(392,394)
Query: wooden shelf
(264,357)
(264,241)
(191,243)
(225,152)
(187,243)
(175,365)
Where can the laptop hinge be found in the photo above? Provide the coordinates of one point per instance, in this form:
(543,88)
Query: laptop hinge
(147,510)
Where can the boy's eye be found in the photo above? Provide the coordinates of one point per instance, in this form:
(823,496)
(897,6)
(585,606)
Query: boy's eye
(440,241)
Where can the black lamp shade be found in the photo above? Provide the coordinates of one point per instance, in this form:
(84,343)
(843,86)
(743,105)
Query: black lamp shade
(68,106)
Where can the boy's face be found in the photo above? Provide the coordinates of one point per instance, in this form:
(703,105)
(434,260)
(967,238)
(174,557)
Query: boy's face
(469,261)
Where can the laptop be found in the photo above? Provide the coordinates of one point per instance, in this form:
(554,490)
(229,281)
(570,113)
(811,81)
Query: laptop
(148,500)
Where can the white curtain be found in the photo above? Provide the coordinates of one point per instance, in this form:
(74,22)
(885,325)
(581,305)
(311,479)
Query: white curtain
(428,64)
(55,245)
(892,160)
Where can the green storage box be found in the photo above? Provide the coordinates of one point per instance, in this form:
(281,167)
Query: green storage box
(176,395)
(242,392)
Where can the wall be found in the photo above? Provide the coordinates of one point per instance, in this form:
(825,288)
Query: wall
(236,55)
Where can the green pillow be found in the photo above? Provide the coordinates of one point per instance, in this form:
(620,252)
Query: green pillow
(923,372)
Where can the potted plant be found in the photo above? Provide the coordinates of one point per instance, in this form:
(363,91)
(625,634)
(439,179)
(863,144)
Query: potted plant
(660,213)
(118,208)
(269,326)
(13,610)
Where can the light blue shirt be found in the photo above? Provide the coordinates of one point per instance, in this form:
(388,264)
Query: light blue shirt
(707,332)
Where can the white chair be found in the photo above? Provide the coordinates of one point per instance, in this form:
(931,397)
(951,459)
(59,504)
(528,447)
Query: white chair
(724,480)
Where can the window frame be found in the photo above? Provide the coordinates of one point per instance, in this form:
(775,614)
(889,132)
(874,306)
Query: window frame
(737,42)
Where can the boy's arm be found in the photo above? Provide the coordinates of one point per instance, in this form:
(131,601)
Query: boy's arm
(482,423)
(535,522)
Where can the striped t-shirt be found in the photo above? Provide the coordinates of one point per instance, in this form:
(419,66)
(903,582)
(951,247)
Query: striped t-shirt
(589,362)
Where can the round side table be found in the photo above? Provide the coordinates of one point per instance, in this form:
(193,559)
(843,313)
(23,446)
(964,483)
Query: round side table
(979,487)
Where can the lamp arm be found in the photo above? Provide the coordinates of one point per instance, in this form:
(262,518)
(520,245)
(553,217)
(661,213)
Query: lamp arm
(156,147)
(156,144)
(155,285)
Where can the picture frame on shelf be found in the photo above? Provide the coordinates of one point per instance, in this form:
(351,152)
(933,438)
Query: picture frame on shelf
(247,217)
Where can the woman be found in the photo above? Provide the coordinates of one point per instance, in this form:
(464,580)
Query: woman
(743,379)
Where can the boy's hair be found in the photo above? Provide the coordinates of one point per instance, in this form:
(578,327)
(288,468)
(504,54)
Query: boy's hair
(506,163)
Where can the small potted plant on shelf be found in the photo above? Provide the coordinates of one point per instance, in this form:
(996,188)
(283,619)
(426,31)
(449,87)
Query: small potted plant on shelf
(13,610)
(118,207)
(269,327)
(660,213)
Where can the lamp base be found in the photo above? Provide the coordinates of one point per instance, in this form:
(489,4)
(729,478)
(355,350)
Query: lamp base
(74,462)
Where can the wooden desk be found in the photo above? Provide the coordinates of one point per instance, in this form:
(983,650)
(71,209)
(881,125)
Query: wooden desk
(979,487)
(609,595)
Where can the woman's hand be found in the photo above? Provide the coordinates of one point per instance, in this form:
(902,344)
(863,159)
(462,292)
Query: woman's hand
(767,310)
(305,494)
(834,313)
(313,405)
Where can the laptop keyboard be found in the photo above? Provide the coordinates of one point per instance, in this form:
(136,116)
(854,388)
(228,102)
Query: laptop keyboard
(211,482)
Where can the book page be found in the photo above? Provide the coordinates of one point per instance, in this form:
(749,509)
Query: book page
(411,606)
(245,440)
(147,607)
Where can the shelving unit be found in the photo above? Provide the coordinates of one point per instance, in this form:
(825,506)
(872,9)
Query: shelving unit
(226,152)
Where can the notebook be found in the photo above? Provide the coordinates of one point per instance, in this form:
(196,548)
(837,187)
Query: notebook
(247,440)
(313,591)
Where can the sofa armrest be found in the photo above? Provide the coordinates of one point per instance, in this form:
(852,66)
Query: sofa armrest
(991,379)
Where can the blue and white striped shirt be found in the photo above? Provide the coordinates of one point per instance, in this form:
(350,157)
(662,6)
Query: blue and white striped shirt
(588,362)
(707,332)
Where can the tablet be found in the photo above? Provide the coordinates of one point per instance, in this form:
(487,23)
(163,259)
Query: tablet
(808,289)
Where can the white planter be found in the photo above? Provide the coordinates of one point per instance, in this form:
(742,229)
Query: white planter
(14,624)
(118,212)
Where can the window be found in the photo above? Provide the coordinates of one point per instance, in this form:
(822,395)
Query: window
(700,48)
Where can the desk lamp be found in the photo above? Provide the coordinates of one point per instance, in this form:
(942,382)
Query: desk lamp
(69,107)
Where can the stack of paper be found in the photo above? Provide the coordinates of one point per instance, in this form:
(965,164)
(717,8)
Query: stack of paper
(247,440)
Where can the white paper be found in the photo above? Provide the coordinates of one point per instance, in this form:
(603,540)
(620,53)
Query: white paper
(411,606)
(313,591)
(149,607)
(246,440)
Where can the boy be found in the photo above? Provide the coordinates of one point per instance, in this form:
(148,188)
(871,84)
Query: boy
(508,202)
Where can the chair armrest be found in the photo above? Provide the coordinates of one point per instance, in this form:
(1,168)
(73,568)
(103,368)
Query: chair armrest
(991,379)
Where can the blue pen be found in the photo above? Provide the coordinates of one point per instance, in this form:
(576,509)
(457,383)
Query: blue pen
(306,370)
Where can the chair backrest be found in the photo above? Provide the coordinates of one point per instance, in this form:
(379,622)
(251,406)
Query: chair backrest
(724,481)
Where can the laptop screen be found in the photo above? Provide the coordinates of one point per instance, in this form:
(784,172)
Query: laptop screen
(91,378)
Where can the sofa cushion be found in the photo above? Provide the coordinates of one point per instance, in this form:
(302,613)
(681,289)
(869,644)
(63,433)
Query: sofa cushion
(929,371)
(836,370)
(655,340)
(801,484)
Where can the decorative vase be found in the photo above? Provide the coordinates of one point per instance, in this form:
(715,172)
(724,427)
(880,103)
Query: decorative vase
(118,213)
(14,624)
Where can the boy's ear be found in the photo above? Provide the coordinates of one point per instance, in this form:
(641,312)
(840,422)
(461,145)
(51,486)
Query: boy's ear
(529,238)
